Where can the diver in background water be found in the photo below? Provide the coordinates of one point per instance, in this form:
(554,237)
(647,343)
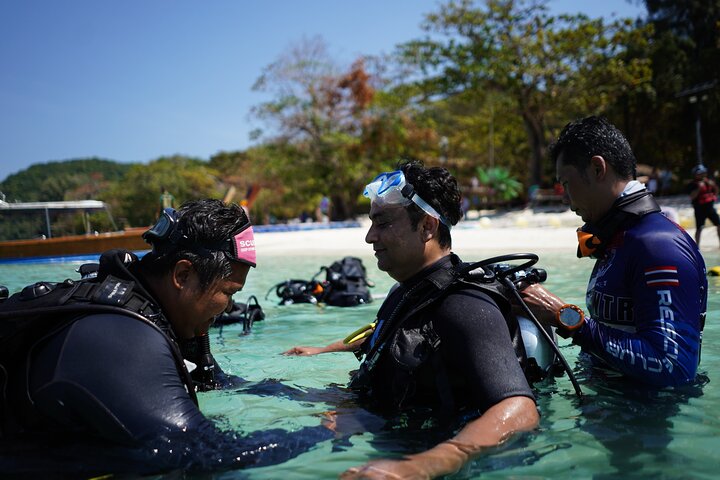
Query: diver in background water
(109,367)
(441,349)
(647,294)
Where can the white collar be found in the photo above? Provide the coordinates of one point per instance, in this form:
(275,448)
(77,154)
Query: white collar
(632,187)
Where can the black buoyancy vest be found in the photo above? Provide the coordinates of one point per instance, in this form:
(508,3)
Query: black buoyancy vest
(412,344)
(44,308)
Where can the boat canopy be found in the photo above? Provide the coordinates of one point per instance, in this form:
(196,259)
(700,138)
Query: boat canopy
(59,205)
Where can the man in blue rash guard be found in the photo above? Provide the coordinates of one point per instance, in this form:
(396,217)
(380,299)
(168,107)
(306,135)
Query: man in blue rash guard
(114,376)
(647,294)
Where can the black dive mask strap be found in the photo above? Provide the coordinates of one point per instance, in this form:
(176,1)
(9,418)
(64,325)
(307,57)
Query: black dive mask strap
(592,239)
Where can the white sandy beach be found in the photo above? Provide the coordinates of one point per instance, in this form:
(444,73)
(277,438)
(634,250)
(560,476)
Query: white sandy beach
(522,230)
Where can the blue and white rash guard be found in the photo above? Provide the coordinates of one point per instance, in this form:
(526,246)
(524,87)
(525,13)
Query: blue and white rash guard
(646,297)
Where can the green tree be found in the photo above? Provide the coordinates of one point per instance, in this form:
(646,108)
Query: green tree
(77,179)
(686,58)
(501,186)
(552,67)
(135,198)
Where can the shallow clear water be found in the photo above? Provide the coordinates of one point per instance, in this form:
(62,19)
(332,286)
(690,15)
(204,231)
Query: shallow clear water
(616,432)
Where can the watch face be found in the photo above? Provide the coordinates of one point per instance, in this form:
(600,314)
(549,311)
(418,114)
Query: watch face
(570,317)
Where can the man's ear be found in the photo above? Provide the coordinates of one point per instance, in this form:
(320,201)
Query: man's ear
(430,227)
(598,167)
(181,273)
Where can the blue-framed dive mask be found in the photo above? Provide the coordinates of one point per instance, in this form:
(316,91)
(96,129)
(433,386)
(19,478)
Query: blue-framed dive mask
(164,236)
(391,188)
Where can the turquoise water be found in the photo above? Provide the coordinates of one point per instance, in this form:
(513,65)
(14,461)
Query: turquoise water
(616,432)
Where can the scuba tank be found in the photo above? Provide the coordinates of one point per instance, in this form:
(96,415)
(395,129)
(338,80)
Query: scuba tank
(542,340)
(537,348)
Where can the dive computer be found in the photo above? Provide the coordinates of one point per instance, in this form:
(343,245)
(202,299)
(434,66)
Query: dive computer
(570,317)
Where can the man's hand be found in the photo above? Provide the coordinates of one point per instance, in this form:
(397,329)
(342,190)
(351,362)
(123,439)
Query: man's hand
(542,303)
(386,469)
(496,425)
(302,351)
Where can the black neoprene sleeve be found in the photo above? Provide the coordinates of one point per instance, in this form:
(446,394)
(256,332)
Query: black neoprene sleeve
(114,376)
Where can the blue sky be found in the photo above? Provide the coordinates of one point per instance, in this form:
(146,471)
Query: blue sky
(134,80)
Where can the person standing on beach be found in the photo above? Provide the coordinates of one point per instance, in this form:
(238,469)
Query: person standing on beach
(322,212)
(440,351)
(703,193)
(167,200)
(647,294)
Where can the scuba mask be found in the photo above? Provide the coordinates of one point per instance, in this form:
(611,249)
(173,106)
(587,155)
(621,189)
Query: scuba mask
(165,236)
(391,188)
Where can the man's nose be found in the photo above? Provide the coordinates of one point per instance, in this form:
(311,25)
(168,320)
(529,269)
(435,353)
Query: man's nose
(370,236)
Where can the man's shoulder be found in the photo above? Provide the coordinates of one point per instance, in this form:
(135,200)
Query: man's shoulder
(464,295)
(654,226)
(116,324)
(656,236)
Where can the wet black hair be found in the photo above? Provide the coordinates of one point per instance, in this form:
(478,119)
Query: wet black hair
(584,138)
(203,222)
(437,187)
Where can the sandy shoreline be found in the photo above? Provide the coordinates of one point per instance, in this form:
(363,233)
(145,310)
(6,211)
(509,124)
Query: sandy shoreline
(351,241)
(509,232)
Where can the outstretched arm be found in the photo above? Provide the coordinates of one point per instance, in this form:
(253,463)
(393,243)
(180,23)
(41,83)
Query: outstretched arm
(495,426)
(338,346)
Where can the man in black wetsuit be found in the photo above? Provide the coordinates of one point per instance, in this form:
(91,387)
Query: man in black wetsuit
(438,345)
(115,374)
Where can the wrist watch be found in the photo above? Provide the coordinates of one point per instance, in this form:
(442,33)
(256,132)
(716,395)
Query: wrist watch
(570,317)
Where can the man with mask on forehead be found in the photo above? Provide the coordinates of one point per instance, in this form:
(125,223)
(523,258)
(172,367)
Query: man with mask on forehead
(109,369)
(440,349)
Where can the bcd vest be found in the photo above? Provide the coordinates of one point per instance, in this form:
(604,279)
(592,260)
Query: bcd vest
(44,308)
(410,343)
